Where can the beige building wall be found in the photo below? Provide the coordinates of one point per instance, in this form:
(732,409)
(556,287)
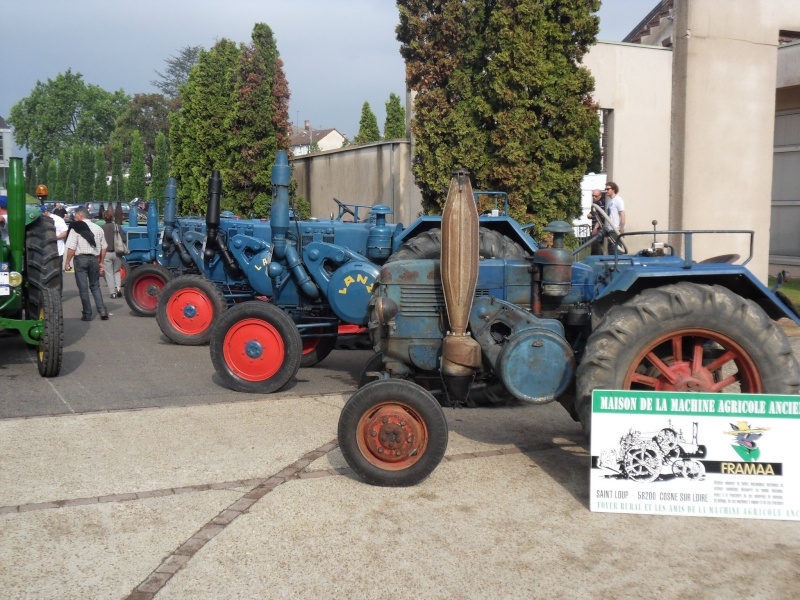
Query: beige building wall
(724,81)
(378,173)
(634,82)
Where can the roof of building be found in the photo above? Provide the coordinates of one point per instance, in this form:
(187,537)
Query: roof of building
(300,135)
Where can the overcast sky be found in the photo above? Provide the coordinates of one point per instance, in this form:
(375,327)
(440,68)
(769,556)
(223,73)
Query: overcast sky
(337,54)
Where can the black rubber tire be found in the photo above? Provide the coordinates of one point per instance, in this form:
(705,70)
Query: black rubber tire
(42,262)
(143,286)
(269,328)
(428,245)
(630,329)
(415,405)
(318,353)
(51,347)
(203,295)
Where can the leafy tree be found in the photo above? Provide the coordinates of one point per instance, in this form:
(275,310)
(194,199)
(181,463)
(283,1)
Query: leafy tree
(136,187)
(258,123)
(86,173)
(596,162)
(49,176)
(149,115)
(160,172)
(117,191)
(31,176)
(65,111)
(63,186)
(500,91)
(394,128)
(101,189)
(177,71)
(367,127)
(198,138)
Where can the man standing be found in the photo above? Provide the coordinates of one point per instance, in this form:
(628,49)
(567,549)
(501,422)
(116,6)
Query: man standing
(87,244)
(60,210)
(615,207)
(597,200)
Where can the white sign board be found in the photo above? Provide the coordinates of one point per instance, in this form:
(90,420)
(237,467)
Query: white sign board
(698,455)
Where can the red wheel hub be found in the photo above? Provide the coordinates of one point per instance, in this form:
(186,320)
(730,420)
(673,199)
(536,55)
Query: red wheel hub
(694,360)
(253,350)
(146,291)
(190,311)
(392,436)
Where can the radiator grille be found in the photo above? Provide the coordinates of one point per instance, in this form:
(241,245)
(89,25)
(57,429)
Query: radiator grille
(425,300)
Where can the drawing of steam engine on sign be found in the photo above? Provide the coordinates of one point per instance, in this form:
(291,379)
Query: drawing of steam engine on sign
(643,456)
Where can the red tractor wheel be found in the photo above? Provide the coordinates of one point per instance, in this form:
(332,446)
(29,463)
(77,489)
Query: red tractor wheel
(124,270)
(316,348)
(255,348)
(392,433)
(187,309)
(143,287)
(686,337)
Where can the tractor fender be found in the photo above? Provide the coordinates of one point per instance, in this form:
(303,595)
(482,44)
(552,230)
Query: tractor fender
(630,281)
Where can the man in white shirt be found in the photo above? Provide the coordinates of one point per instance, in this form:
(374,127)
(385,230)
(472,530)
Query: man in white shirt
(86,244)
(615,207)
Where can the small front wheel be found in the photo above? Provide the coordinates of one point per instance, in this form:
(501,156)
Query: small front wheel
(256,348)
(392,433)
(143,286)
(187,308)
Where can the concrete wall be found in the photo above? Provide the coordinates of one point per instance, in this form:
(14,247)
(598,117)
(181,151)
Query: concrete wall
(634,82)
(724,81)
(378,173)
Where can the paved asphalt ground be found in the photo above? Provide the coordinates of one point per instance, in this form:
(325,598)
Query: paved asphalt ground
(136,474)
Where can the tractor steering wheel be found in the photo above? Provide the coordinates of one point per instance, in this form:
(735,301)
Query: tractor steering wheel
(344,209)
(613,233)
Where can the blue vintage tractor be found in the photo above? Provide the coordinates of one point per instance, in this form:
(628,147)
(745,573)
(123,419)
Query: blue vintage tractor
(545,328)
(317,275)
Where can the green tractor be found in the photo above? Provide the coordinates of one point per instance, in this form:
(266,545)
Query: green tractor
(30,276)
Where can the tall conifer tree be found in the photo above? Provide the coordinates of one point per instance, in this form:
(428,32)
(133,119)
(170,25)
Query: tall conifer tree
(199,140)
(501,91)
(394,127)
(258,122)
(367,127)
(137,187)
(100,192)
(158,183)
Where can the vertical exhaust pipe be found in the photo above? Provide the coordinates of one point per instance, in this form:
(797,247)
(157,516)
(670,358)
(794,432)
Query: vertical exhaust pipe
(461,354)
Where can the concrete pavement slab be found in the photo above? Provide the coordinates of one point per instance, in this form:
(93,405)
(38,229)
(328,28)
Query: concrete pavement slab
(80,456)
(98,551)
(252,500)
(511,526)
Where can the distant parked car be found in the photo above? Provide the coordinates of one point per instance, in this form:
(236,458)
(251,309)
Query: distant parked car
(94,209)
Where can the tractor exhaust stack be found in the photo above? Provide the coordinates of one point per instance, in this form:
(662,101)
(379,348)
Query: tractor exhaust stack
(461,354)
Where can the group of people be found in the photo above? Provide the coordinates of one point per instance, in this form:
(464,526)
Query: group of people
(90,250)
(614,206)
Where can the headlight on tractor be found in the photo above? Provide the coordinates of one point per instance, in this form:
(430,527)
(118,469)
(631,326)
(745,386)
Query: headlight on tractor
(14,279)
